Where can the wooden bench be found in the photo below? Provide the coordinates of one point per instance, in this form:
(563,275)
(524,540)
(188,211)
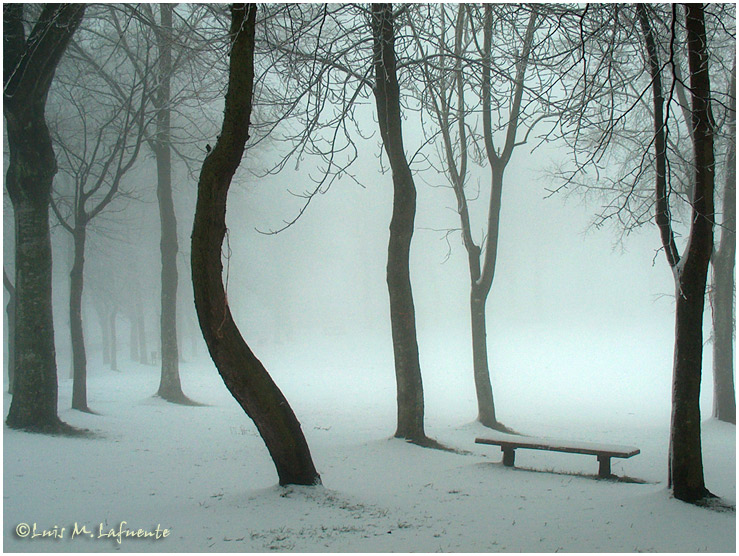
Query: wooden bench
(604,452)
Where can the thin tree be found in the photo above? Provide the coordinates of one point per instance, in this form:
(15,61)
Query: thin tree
(723,263)
(113,335)
(321,52)
(402,309)
(29,63)
(99,144)
(183,51)
(170,387)
(449,89)
(244,375)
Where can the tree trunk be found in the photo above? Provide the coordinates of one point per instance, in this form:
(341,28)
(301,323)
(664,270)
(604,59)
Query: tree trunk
(686,462)
(10,315)
(28,69)
(482,282)
(169,386)
(102,314)
(483,387)
(141,329)
(724,398)
(483,275)
(402,310)
(685,465)
(724,261)
(194,338)
(34,403)
(79,357)
(133,339)
(244,375)
(113,341)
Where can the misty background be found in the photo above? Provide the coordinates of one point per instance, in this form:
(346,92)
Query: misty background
(567,297)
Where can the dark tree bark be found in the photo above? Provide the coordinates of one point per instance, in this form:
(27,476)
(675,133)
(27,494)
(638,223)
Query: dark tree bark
(685,439)
(170,387)
(244,375)
(685,466)
(723,262)
(10,316)
(402,310)
(28,70)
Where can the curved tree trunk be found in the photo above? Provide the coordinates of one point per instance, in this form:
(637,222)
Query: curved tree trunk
(402,310)
(244,375)
(28,69)
(79,357)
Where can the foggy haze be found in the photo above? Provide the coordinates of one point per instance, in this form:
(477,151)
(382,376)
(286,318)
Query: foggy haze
(581,320)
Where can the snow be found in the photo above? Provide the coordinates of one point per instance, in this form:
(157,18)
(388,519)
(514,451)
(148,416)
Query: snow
(204,474)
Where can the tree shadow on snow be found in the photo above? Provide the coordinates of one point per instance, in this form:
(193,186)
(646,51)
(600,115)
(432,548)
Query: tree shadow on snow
(60,429)
(182,400)
(595,476)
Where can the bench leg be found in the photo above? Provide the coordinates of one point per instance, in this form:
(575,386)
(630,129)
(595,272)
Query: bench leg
(509,456)
(604,469)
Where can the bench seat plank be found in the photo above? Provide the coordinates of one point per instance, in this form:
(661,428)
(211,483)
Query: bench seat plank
(604,452)
(587,448)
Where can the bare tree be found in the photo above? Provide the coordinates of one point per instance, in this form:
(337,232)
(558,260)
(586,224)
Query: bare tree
(690,270)
(459,81)
(628,192)
(171,51)
(402,309)
(29,63)
(244,375)
(325,66)
(723,263)
(170,387)
(602,113)
(176,50)
(100,141)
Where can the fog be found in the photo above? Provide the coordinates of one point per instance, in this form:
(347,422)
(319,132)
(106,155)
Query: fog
(566,298)
(317,289)
(357,457)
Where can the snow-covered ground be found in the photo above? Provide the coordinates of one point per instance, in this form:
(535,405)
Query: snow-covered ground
(203,473)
